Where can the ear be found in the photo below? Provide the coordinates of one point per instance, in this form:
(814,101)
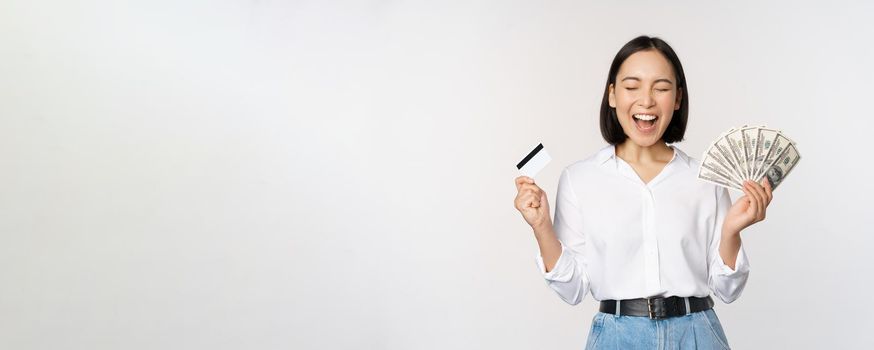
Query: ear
(611,97)
(679,98)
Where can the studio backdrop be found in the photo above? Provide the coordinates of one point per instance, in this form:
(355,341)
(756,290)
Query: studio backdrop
(339,174)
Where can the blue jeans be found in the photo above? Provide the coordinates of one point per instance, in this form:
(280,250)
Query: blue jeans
(698,330)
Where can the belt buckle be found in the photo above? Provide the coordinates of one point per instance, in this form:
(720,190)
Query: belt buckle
(654,315)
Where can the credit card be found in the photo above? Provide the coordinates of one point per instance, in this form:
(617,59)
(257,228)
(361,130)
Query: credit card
(534,161)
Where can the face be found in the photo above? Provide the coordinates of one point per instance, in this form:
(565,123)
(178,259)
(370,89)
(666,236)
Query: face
(645,96)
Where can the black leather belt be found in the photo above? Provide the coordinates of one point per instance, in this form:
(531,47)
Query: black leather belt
(657,307)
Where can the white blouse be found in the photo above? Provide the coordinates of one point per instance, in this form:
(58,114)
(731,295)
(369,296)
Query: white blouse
(622,238)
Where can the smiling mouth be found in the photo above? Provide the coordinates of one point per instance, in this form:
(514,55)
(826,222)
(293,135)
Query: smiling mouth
(645,122)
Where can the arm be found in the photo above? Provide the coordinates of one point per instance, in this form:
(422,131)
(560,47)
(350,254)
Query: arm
(729,279)
(561,259)
(729,246)
(550,247)
(728,264)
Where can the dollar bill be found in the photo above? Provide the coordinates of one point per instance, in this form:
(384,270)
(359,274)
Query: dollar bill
(766,140)
(784,164)
(716,162)
(723,147)
(749,136)
(776,150)
(749,153)
(714,178)
(735,142)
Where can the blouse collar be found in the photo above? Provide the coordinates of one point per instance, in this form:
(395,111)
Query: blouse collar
(609,153)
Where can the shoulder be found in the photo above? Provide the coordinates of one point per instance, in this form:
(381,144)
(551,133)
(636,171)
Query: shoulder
(590,163)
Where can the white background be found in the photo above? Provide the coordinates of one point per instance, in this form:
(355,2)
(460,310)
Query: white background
(318,175)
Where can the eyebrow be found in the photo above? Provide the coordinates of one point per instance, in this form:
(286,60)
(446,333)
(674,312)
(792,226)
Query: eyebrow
(657,80)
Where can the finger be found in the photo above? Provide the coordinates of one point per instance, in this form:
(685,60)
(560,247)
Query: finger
(754,202)
(753,193)
(528,185)
(523,200)
(523,179)
(763,202)
(759,188)
(762,194)
(761,199)
(760,207)
(526,196)
(532,200)
(535,201)
(767,185)
(752,199)
(531,187)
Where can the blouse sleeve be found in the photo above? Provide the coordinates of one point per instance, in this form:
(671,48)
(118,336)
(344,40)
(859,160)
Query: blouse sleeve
(725,282)
(568,277)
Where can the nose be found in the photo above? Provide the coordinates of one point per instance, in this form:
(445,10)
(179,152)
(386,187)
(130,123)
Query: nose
(646,100)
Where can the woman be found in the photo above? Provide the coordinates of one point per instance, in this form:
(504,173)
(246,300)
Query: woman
(635,227)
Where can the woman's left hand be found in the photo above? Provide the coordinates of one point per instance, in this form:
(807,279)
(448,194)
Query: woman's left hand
(750,208)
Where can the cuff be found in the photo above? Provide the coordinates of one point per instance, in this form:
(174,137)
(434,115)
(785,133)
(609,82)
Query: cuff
(563,269)
(741,264)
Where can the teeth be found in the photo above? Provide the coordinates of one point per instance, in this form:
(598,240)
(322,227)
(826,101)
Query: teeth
(645,116)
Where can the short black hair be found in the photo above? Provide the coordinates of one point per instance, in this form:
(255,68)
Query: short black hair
(610,127)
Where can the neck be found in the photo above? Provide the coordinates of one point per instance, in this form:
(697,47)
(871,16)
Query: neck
(631,152)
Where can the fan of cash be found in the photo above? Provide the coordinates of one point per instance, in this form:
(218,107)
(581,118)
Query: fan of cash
(748,153)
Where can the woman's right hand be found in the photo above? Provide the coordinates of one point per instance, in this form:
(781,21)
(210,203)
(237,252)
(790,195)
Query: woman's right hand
(531,202)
